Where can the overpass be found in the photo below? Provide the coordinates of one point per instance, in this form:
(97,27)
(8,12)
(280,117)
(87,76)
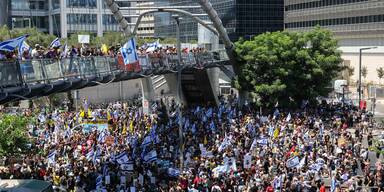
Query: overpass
(28,79)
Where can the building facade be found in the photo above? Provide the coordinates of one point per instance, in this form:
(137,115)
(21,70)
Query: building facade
(354,22)
(65,17)
(241,18)
(147,24)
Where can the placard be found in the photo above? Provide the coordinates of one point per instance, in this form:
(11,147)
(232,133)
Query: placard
(83,38)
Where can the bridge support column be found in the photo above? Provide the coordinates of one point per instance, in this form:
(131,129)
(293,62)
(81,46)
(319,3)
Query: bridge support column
(171,80)
(213,76)
(148,94)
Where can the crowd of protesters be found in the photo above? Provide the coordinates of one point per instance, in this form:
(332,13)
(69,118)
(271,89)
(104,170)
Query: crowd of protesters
(40,52)
(223,148)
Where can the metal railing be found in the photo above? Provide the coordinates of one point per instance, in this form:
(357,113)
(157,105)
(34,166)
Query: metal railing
(21,72)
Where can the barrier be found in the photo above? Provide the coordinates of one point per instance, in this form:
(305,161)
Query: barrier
(18,72)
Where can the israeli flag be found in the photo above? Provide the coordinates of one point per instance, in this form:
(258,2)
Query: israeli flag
(262,141)
(51,157)
(99,182)
(23,47)
(65,51)
(212,126)
(129,52)
(173,172)
(209,112)
(153,46)
(150,157)
(301,164)
(127,166)
(55,43)
(293,162)
(89,155)
(122,158)
(277,182)
(254,144)
(289,117)
(276,114)
(11,44)
(333,184)
(226,142)
(271,130)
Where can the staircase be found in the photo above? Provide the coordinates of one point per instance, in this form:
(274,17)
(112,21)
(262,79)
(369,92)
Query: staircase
(196,87)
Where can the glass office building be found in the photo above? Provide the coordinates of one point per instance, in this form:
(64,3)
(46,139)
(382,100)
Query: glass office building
(241,18)
(354,22)
(65,17)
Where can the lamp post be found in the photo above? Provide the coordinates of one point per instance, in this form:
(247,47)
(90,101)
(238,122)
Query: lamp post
(360,54)
(178,92)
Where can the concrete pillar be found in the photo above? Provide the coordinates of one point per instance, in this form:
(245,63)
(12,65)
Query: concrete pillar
(50,17)
(63,19)
(213,76)
(148,94)
(171,80)
(4,12)
(99,18)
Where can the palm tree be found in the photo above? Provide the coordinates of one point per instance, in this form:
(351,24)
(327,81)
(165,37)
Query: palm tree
(380,73)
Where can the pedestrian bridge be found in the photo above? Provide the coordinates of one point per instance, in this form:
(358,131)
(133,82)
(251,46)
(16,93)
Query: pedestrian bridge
(26,79)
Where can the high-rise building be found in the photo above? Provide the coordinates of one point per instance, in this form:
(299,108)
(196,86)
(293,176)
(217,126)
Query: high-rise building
(65,17)
(147,24)
(354,22)
(241,18)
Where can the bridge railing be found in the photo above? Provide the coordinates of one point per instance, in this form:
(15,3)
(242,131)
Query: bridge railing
(14,73)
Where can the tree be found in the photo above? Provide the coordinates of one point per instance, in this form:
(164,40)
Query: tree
(287,66)
(351,71)
(13,131)
(380,73)
(35,36)
(364,72)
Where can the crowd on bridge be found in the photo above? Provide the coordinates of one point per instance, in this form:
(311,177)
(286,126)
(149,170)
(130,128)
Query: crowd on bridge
(223,148)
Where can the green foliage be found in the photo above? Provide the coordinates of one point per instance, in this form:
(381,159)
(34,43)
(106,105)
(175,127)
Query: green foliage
(13,134)
(364,71)
(351,70)
(380,72)
(282,65)
(35,36)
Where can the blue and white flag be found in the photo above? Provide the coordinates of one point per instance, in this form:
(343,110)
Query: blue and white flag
(90,155)
(99,182)
(153,46)
(212,126)
(276,114)
(51,157)
(315,167)
(333,184)
(11,44)
(289,117)
(129,52)
(173,172)
(277,182)
(65,51)
(226,143)
(293,162)
(23,47)
(262,141)
(254,144)
(55,43)
(127,166)
(122,158)
(271,130)
(301,164)
(150,157)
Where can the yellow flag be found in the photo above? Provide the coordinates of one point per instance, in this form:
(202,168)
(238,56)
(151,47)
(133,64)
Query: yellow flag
(276,132)
(104,49)
(124,128)
(131,127)
(109,115)
(89,113)
(205,140)
(82,113)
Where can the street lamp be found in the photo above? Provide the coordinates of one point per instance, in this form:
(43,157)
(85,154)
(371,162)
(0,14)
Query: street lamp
(178,93)
(360,53)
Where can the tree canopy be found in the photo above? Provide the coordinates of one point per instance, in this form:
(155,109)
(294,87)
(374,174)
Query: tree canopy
(13,134)
(288,67)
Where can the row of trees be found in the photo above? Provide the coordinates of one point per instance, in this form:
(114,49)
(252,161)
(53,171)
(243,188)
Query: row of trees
(109,38)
